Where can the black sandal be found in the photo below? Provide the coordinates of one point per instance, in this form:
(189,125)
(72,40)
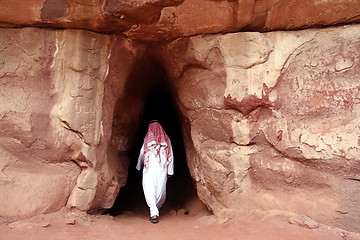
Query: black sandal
(154,219)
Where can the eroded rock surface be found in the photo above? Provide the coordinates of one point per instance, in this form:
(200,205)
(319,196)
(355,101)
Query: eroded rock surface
(36,172)
(158,20)
(59,90)
(272,120)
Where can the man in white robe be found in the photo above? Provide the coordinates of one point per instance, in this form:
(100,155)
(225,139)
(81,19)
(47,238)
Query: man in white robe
(156,158)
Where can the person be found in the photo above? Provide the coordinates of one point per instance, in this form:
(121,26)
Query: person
(157,160)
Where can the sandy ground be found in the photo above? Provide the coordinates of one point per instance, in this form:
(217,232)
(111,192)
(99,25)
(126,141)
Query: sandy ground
(173,225)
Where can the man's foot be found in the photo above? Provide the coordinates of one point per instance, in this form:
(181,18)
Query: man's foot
(154,219)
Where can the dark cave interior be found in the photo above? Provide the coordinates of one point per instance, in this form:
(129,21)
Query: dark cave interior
(159,105)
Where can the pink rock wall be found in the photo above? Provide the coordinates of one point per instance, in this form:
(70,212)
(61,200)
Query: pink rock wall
(32,152)
(271,120)
(58,93)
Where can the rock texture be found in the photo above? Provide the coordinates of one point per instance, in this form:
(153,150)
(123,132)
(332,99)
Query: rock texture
(57,101)
(158,20)
(36,173)
(271,120)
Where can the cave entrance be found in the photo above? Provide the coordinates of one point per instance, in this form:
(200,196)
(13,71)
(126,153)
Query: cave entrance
(181,193)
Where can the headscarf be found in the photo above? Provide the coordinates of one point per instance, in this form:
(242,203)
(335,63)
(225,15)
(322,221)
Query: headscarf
(156,141)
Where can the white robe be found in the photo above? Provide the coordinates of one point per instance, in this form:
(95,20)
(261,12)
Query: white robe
(154,179)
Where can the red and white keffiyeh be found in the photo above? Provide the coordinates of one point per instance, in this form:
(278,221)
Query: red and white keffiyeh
(156,141)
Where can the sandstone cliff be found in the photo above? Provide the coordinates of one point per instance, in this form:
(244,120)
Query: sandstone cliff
(270,117)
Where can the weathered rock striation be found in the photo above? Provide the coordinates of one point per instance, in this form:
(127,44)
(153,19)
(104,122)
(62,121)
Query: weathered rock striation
(59,90)
(270,119)
(159,20)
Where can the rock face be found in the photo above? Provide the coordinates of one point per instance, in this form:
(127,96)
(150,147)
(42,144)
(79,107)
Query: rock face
(158,20)
(273,120)
(36,172)
(57,102)
(270,120)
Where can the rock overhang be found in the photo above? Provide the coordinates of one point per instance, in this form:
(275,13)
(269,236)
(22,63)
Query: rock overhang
(249,142)
(153,21)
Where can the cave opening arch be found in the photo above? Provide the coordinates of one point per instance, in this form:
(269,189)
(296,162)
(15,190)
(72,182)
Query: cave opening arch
(158,104)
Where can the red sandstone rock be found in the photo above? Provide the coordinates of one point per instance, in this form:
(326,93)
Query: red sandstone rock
(36,174)
(304,221)
(55,122)
(161,20)
(270,120)
(287,147)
